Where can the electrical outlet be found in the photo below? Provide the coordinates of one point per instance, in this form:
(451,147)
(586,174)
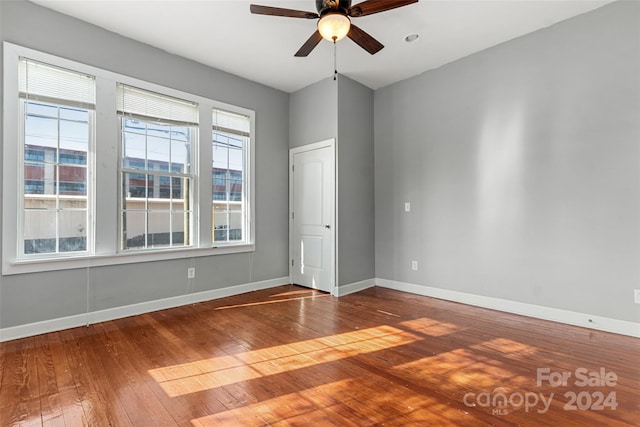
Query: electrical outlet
(636,296)
(407,206)
(191,272)
(414,265)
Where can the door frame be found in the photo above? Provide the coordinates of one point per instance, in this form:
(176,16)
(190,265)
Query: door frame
(328,143)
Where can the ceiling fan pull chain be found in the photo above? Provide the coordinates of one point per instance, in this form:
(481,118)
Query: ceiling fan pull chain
(335,60)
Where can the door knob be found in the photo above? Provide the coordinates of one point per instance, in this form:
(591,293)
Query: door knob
(327,226)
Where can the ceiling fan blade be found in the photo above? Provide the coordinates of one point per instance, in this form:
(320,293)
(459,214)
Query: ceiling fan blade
(364,40)
(310,44)
(278,11)
(370,7)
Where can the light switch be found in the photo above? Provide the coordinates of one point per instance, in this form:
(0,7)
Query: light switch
(407,206)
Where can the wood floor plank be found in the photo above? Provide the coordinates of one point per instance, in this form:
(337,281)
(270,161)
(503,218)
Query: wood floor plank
(294,356)
(98,399)
(19,391)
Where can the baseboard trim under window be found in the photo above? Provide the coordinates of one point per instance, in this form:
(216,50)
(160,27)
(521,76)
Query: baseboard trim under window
(54,325)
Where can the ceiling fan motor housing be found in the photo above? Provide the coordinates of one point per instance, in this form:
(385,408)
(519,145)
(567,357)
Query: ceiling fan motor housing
(327,6)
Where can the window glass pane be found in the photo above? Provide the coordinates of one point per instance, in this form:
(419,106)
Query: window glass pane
(134,151)
(33,154)
(164,187)
(73,188)
(220,223)
(41,132)
(158,130)
(39,231)
(161,166)
(34,178)
(73,203)
(38,109)
(180,153)
(178,186)
(134,226)
(235,158)
(235,225)
(219,184)
(73,157)
(135,185)
(220,156)
(49,178)
(40,203)
(134,126)
(73,230)
(33,186)
(159,229)
(235,186)
(74,114)
(74,136)
(157,150)
(180,222)
(181,133)
(73,180)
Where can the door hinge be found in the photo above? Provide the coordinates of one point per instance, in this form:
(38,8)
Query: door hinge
(292,215)
(291,263)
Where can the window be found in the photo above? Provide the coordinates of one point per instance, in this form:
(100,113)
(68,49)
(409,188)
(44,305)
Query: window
(121,177)
(230,138)
(157,141)
(57,108)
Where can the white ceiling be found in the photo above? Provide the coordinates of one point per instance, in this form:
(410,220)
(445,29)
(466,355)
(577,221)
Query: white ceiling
(225,35)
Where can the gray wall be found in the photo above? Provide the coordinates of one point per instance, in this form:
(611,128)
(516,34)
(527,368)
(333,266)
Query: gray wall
(1,156)
(43,296)
(522,164)
(313,113)
(356,228)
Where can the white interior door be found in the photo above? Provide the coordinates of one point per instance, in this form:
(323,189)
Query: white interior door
(312,216)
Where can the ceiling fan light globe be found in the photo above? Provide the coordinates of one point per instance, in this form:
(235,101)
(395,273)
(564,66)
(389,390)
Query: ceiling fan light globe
(334,26)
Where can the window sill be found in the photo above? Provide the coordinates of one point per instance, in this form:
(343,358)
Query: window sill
(88,261)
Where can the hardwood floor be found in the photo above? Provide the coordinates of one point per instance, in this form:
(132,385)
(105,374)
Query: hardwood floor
(293,356)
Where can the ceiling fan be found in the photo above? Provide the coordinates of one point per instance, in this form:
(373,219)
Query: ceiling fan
(334,23)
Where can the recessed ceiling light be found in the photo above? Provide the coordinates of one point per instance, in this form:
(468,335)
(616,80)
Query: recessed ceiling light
(411,38)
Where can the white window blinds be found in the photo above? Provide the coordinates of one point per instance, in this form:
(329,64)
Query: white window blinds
(48,83)
(225,121)
(146,105)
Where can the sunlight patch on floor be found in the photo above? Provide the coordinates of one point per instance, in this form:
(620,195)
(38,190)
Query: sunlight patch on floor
(431,327)
(468,368)
(251,304)
(334,403)
(206,374)
(508,348)
(311,292)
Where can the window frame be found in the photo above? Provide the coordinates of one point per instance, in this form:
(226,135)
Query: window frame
(90,189)
(150,173)
(246,191)
(104,175)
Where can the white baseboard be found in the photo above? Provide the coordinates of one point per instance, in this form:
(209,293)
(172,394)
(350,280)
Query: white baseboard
(546,313)
(540,312)
(83,319)
(354,287)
